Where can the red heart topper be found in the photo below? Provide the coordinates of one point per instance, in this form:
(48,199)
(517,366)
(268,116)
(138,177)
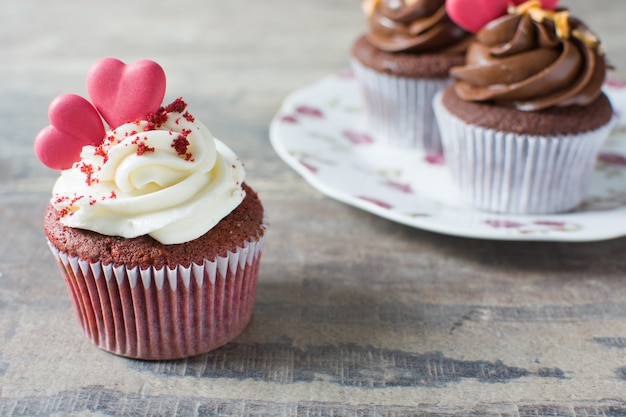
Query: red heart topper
(473,15)
(121,93)
(74,123)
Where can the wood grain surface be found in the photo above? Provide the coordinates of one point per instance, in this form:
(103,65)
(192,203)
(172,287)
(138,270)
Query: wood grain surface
(355,315)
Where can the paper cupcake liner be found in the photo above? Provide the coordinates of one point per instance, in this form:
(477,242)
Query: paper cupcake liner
(399,109)
(515,173)
(163,313)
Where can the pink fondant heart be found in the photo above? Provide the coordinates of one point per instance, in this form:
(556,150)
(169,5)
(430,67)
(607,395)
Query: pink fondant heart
(74,123)
(473,15)
(124,93)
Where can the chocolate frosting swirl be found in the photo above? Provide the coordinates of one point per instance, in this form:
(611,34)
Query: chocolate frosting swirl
(415,26)
(519,61)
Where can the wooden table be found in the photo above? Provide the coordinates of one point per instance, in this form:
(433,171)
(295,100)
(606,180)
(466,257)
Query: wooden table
(355,315)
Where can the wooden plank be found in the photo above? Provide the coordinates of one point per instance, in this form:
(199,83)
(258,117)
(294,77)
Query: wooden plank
(98,401)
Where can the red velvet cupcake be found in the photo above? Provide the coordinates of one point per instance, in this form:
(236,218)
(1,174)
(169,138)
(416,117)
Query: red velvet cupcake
(156,234)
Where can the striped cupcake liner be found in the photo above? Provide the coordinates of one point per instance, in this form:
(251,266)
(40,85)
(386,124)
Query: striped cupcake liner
(399,110)
(518,174)
(159,314)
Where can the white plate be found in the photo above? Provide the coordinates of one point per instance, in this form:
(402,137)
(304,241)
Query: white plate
(320,132)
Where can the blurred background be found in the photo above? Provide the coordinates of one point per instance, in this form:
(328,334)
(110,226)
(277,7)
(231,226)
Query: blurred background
(235,53)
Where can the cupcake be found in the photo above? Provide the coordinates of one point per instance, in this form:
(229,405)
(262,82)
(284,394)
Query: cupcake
(155,232)
(400,63)
(525,119)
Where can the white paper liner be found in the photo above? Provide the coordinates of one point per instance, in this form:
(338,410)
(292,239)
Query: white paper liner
(163,313)
(514,173)
(399,110)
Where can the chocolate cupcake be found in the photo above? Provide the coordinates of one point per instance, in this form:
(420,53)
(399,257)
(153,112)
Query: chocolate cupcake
(526,117)
(155,232)
(400,63)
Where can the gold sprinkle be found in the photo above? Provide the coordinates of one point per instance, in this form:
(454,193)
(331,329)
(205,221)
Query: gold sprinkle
(368,7)
(410,2)
(561,21)
(587,37)
(525,7)
(539,15)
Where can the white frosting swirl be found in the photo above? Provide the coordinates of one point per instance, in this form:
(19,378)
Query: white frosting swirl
(173,183)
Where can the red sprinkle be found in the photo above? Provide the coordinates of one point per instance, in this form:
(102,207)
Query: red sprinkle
(143,148)
(111,196)
(181,144)
(156,120)
(88,171)
(61,199)
(177,106)
(68,209)
(101,152)
(189,117)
